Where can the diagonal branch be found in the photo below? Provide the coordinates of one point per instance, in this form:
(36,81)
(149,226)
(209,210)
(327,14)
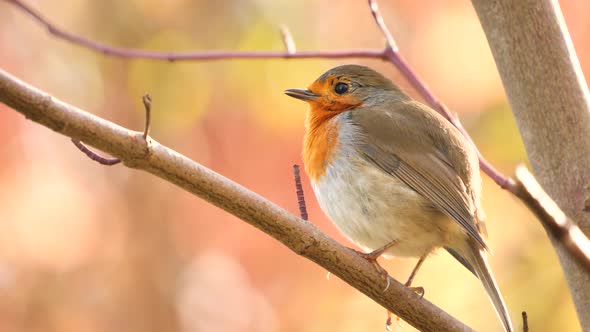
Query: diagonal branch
(302,237)
(553,219)
(390,42)
(393,55)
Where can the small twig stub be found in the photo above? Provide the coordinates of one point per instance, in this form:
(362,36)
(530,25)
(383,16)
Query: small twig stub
(147,104)
(299,191)
(525,322)
(95,156)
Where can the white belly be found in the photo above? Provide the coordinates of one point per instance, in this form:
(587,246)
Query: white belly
(373,208)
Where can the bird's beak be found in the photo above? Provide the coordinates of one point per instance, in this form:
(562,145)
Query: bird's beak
(302,94)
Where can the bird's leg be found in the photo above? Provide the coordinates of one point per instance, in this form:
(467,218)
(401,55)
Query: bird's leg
(389,320)
(417,290)
(373,255)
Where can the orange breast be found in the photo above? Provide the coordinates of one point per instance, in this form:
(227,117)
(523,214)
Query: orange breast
(321,140)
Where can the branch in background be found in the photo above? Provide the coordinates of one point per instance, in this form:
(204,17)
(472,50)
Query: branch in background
(390,42)
(525,322)
(390,53)
(187,56)
(553,219)
(300,236)
(393,55)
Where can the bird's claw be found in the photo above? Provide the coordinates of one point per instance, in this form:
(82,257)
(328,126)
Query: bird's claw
(418,290)
(373,259)
(388,283)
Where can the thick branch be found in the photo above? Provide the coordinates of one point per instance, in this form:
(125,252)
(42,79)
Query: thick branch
(300,236)
(550,101)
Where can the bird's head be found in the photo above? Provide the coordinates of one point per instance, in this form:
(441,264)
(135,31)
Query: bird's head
(346,87)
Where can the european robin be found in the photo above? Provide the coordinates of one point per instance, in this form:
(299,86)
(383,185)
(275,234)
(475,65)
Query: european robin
(394,176)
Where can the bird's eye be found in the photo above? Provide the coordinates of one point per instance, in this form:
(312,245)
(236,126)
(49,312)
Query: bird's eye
(341,88)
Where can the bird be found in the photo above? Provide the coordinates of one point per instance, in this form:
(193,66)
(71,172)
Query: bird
(394,176)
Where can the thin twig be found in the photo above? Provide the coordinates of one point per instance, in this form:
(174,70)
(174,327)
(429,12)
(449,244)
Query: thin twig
(288,40)
(393,55)
(185,56)
(147,104)
(553,219)
(381,24)
(95,156)
(525,322)
(299,191)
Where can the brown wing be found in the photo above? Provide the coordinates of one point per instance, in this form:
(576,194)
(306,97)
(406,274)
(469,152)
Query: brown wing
(409,141)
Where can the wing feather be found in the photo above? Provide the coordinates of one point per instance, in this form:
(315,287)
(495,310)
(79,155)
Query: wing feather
(410,143)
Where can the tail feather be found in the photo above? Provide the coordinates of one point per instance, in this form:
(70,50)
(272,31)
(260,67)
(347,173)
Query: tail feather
(478,259)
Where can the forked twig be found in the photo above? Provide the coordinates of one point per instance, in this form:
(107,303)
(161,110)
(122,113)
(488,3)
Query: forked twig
(107,161)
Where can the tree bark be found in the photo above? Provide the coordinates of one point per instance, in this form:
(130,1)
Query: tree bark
(551,103)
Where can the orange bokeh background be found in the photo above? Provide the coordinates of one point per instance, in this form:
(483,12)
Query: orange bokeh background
(85,247)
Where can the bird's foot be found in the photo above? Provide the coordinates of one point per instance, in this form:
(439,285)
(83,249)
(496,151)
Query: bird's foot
(418,290)
(372,258)
(389,321)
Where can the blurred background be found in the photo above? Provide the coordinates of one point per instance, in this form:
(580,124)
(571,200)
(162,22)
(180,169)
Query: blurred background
(85,247)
